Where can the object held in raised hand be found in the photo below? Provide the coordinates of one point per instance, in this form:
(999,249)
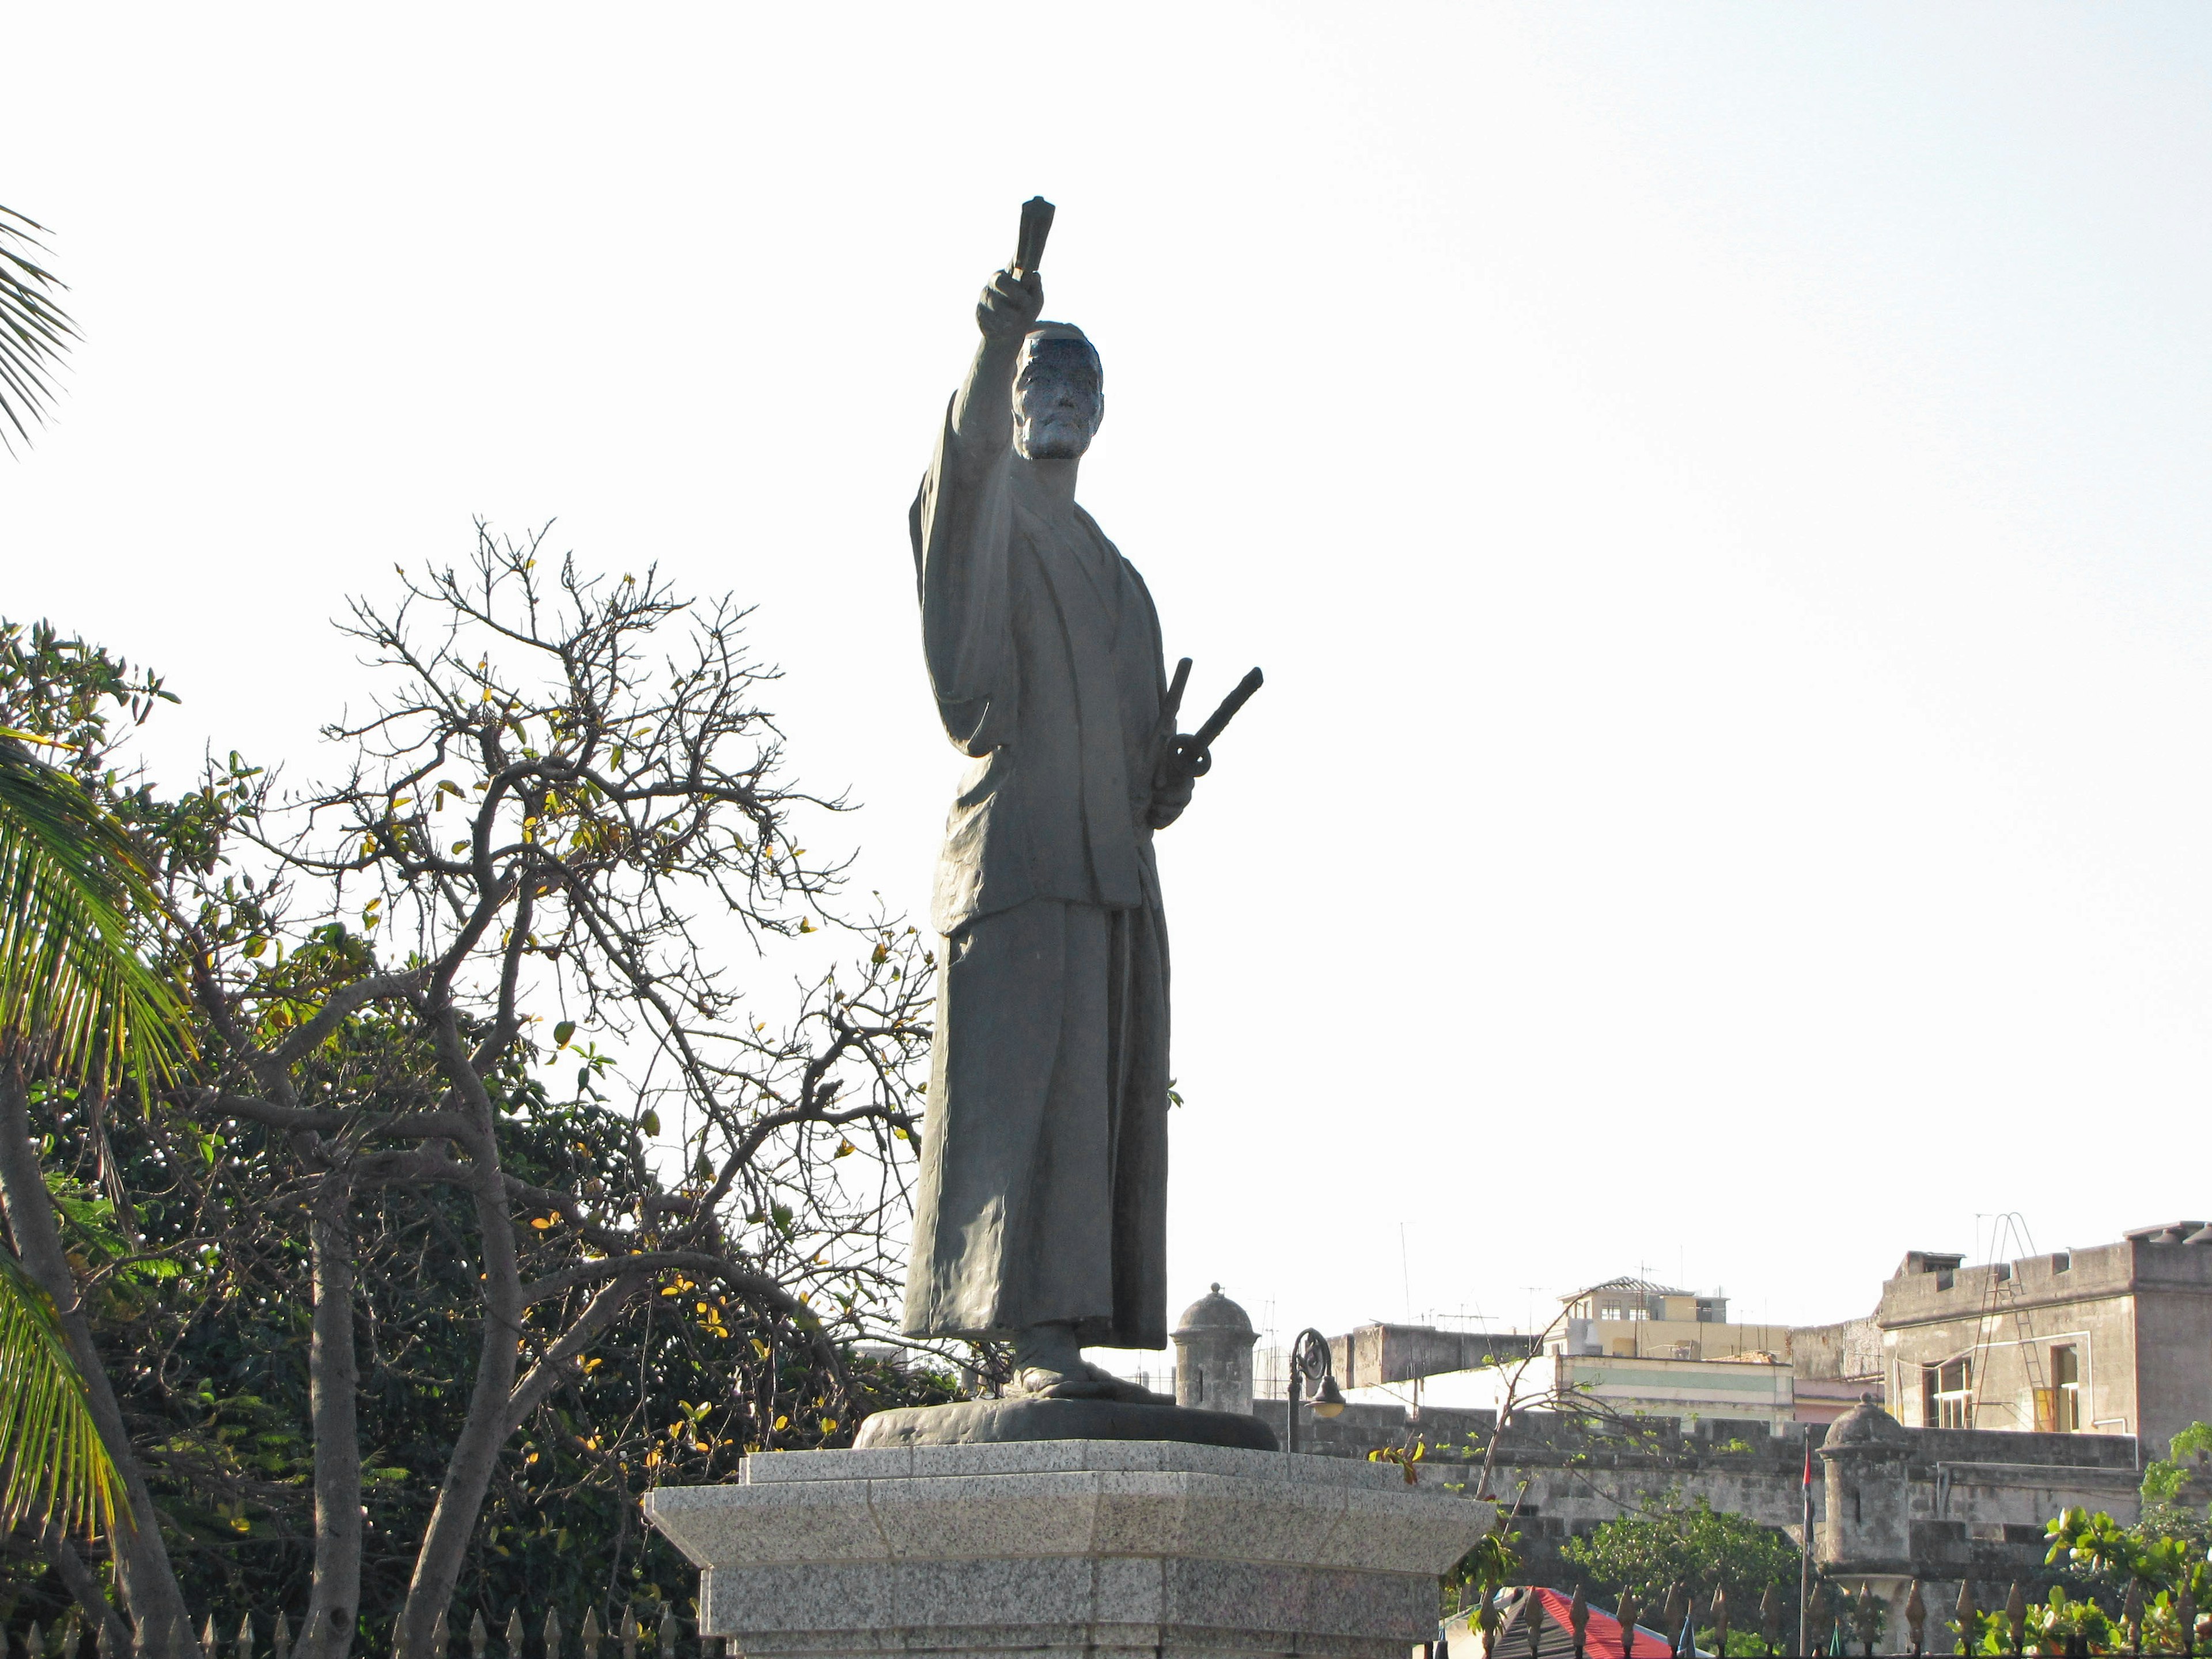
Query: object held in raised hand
(1036,225)
(1194,755)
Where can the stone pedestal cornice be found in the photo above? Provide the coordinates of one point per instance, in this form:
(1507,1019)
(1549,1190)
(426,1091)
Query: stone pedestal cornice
(1074,1547)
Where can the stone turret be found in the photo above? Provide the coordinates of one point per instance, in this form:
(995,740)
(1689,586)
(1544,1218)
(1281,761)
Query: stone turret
(1213,1355)
(1869,1524)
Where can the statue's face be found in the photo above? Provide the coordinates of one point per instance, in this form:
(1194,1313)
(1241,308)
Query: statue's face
(1058,401)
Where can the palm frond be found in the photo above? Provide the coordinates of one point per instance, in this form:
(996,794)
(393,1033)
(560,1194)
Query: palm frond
(34,331)
(75,994)
(57,1465)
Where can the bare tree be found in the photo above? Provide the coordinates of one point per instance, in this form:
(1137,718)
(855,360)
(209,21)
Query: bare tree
(566,808)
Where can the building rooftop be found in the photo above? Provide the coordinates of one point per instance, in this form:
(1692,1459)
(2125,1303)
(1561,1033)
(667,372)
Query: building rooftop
(1632,1286)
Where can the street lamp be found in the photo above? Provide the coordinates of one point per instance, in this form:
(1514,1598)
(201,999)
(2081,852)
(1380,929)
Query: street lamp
(1312,1374)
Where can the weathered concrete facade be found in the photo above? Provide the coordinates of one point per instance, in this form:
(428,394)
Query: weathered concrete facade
(1376,1354)
(2114,1340)
(1966,1503)
(1742,1390)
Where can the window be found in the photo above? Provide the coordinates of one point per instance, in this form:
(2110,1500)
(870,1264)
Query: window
(2066,1383)
(2062,1261)
(2001,1273)
(1946,1399)
(1944,1278)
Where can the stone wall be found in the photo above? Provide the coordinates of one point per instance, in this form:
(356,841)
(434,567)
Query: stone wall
(1974,1501)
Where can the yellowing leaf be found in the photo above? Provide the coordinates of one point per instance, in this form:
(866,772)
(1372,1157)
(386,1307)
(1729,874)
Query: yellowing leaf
(829,1426)
(783,1422)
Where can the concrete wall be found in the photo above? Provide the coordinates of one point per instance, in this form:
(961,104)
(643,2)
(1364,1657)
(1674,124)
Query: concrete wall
(1673,1339)
(1846,1352)
(2138,1314)
(1375,1354)
(1974,1501)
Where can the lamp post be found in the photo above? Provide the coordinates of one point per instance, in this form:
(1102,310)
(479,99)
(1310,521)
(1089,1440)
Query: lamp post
(1310,1369)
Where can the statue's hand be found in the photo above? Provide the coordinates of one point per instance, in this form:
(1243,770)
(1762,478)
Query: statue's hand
(1010,306)
(1171,789)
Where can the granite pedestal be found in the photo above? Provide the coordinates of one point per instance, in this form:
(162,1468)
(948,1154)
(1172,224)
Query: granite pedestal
(1071,1547)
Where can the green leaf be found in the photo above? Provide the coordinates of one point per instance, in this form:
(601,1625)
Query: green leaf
(57,1463)
(72,885)
(649,1120)
(562,1032)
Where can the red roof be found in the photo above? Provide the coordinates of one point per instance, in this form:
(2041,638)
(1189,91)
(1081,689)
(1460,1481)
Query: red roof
(1600,1637)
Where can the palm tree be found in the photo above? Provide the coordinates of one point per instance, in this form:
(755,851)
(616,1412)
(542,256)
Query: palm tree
(34,331)
(76,1000)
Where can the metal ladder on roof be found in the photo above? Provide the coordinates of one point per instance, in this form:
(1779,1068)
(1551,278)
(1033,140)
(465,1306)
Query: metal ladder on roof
(2001,1296)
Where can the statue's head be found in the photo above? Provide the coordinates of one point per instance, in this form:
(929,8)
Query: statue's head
(1058,396)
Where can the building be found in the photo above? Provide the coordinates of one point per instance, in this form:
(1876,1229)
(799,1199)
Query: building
(1661,1344)
(1745,1390)
(2116,1339)
(1890,1503)
(1635,1319)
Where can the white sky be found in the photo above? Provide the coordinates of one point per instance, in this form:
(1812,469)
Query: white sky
(1717,491)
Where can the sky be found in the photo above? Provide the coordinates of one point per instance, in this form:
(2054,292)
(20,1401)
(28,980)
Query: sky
(1717,492)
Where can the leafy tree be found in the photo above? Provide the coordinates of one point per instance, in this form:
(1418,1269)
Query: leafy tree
(1670,1542)
(2164,1550)
(441,1300)
(2189,1459)
(77,1002)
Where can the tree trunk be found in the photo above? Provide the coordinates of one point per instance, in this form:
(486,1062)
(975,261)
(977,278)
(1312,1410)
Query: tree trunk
(334,1381)
(150,1584)
(76,1577)
(476,1451)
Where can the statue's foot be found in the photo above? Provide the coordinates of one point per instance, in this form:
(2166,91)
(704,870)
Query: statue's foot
(1081,1382)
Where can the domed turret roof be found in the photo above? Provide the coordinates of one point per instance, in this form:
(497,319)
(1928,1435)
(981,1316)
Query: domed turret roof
(1214,1312)
(1865,1426)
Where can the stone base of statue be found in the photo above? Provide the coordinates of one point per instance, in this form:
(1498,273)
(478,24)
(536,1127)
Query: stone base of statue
(1118,1547)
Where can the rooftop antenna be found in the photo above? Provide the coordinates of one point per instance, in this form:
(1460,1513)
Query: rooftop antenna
(1406,1272)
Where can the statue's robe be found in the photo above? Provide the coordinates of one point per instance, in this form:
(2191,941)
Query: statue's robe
(1042,1195)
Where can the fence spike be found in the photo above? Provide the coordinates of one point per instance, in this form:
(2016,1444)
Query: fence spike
(72,1635)
(244,1647)
(592,1634)
(479,1637)
(208,1638)
(513,1637)
(280,1639)
(667,1632)
(552,1633)
(34,1645)
(628,1632)
(440,1635)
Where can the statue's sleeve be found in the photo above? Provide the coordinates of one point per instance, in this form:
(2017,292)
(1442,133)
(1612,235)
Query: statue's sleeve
(961,523)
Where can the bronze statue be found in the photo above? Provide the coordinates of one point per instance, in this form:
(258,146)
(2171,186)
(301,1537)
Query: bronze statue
(1041,1210)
